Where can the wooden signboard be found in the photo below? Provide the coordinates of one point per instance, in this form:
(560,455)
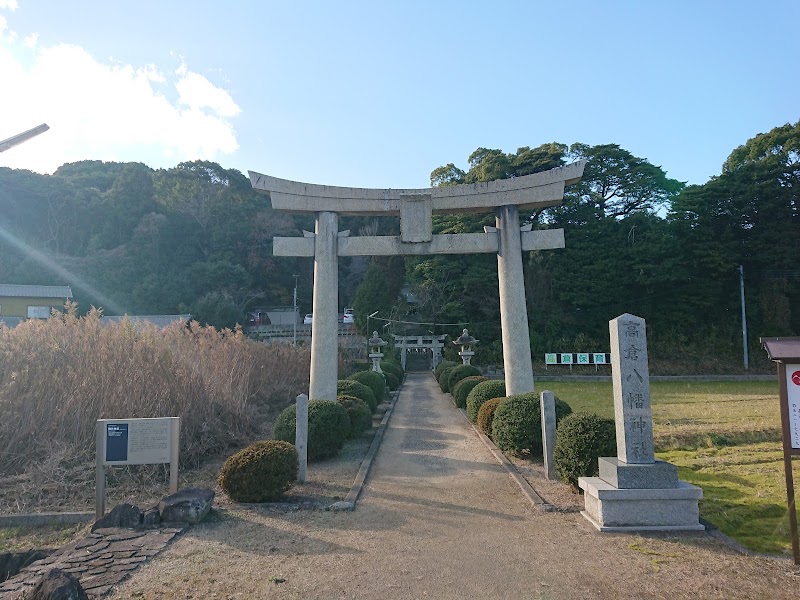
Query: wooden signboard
(785,352)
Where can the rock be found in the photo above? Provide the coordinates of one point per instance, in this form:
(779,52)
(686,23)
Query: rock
(189,505)
(12,563)
(57,585)
(122,515)
(152,517)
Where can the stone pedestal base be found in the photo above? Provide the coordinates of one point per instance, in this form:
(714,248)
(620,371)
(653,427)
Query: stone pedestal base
(622,475)
(376,361)
(669,509)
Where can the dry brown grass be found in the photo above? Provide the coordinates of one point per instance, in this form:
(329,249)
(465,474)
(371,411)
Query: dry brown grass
(58,376)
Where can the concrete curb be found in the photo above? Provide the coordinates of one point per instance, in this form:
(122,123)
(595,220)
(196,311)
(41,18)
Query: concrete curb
(349,502)
(40,519)
(535,499)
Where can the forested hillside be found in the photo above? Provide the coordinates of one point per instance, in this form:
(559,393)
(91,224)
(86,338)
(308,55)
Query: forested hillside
(639,242)
(130,239)
(196,238)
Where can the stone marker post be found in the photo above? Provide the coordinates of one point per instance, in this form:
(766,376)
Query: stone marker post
(547,403)
(301,437)
(635,491)
(631,381)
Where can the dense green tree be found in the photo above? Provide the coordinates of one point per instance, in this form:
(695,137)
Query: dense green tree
(379,291)
(615,184)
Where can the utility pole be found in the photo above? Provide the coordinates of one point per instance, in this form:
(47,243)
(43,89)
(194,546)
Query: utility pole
(294,314)
(744,317)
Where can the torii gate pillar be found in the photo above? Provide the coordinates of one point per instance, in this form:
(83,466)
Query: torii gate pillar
(513,309)
(325,326)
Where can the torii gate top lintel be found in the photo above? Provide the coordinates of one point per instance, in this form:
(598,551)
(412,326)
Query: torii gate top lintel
(538,190)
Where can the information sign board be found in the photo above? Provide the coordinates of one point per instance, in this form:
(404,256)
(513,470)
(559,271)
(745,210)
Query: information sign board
(135,442)
(793,397)
(551,359)
(566,359)
(583,358)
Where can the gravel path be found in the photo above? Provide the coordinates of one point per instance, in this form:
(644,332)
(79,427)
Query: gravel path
(439,518)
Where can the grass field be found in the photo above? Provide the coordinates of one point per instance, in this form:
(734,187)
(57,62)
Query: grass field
(724,437)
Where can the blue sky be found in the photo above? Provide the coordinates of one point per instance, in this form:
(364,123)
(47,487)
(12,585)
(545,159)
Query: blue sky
(378,94)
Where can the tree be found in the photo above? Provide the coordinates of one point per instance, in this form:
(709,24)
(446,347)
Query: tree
(616,183)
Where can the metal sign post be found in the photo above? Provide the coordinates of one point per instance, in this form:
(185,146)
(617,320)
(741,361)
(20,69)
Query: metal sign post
(786,353)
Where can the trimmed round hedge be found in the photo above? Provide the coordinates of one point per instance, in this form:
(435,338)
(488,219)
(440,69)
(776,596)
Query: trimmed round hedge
(388,366)
(486,415)
(259,473)
(464,387)
(374,381)
(359,413)
(444,377)
(328,427)
(443,365)
(459,373)
(581,438)
(350,387)
(391,381)
(483,392)
(517,424)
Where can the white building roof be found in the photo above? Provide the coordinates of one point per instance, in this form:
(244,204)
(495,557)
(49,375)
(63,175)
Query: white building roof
(35,291)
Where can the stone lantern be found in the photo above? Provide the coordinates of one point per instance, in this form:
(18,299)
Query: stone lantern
(466,341)
(375,346)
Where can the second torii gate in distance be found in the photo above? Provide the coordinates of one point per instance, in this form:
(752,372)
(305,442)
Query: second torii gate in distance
(415,207)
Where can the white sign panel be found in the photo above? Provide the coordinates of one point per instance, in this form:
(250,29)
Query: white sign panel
(566,359)
(793,393)
(550,359)
(137,441)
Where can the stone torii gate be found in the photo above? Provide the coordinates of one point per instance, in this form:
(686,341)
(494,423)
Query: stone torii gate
(506,197)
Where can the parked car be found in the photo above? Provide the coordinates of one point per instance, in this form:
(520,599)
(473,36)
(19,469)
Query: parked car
(348,319)
(308,319)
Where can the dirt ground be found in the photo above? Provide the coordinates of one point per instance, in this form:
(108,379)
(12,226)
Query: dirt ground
(439,518)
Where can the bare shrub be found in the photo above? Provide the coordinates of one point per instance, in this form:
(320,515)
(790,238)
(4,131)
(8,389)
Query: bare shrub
(57,376)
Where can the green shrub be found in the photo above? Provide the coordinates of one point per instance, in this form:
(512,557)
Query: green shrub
(328,427)
(517,424)
(350,387)
(359,413)
(444,377)
(360,365)
(391,381)
(443,365)
(388,366)
(374,381)
(580,439)
(459,373)
(464,387)
(486,415)
(483,392)
(259,473)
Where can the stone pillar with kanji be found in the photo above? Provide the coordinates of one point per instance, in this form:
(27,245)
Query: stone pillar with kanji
(635,491)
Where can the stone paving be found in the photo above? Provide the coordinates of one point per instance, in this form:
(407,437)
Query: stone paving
(100,560)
